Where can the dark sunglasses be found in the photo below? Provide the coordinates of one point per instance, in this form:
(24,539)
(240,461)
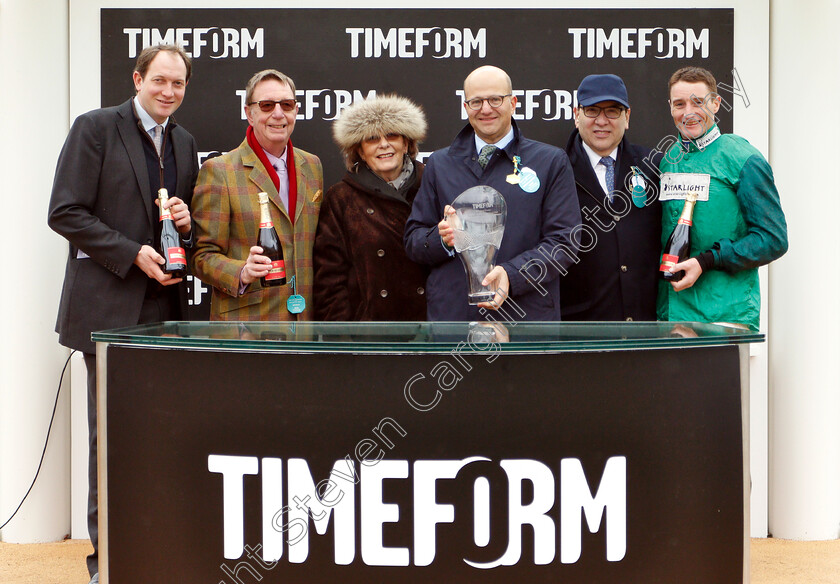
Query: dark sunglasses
(268,105)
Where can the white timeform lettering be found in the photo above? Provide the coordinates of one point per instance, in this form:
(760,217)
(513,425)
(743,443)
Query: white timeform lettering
(289,505)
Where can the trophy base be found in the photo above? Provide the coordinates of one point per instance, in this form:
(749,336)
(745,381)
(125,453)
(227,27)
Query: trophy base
(479,297)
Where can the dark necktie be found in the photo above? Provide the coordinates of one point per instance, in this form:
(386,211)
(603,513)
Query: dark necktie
(485,155)
(610,164)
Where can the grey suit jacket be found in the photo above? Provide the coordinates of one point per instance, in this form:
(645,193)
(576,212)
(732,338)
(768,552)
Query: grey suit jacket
(102,204)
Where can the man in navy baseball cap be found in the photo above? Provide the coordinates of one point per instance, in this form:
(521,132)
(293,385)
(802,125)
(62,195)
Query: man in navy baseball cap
(597,88)
(617,278)
(605,108)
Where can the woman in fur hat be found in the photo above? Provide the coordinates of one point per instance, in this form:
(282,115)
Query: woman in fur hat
(361,270)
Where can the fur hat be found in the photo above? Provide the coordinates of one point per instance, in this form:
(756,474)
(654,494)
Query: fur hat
(385,114)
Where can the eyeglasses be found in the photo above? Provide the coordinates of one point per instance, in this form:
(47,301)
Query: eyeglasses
(612,112)
(494,101)
(268,105)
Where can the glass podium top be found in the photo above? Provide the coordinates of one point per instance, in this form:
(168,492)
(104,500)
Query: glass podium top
(426,337)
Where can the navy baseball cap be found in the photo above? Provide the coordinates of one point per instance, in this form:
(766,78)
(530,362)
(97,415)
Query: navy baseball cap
(597,88)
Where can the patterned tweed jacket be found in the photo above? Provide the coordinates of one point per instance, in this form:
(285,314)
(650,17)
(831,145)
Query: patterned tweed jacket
(226,215)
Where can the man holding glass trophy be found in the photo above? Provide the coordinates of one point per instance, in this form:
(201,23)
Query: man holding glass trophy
(506,205)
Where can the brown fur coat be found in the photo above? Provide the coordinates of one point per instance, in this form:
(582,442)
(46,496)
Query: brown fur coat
(361,270)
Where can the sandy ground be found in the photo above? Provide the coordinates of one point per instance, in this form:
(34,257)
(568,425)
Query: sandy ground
(774,561)
(781,561)
(44,563)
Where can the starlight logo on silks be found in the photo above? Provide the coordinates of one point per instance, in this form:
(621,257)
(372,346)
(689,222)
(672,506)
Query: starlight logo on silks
(286,515)
(677,185)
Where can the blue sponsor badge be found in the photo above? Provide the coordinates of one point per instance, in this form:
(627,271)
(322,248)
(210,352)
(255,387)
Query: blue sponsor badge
(639,188)
(528,180)
(295,303)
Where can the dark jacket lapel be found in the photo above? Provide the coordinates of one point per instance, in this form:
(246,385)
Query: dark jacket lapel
(130,135)
(585,177)
(183,164)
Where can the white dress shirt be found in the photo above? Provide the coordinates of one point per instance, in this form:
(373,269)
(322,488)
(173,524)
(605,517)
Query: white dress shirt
(599,168)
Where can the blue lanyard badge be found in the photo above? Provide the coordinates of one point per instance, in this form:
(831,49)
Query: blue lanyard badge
(639,187)
(296,303)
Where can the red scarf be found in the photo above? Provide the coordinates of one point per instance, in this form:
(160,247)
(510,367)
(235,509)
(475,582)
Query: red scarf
(290,169)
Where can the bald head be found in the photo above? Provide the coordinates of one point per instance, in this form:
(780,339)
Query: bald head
(483,75)
(491,124)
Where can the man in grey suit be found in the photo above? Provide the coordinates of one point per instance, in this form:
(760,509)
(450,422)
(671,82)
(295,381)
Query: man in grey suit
(103,202)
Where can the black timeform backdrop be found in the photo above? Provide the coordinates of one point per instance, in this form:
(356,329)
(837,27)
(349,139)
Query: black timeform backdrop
(423,54)
(338,56)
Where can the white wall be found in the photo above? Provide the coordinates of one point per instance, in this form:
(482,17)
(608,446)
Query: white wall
(804,302)
(34,118)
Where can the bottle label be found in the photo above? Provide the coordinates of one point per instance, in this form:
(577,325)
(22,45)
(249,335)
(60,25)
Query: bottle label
(668,262)
(685,222)
(177,256)
(278,270)
(267,225)
(165,214)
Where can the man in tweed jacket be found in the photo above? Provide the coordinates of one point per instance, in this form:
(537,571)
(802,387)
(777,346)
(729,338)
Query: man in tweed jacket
(226,210)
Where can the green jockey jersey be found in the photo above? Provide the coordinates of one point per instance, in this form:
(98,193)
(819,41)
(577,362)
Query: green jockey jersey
(737,226)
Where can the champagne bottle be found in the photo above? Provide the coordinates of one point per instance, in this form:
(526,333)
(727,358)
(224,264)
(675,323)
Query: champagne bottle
(677,248)
(270,244)
(170,242)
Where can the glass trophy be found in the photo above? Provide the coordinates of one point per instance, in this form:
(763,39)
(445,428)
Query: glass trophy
(479,224)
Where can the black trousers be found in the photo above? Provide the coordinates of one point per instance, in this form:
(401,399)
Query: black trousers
(155,309)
